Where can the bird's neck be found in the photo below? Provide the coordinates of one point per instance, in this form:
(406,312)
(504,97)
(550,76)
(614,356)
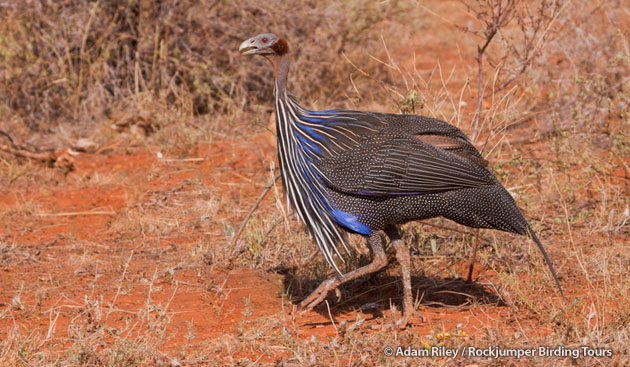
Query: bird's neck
(281,66)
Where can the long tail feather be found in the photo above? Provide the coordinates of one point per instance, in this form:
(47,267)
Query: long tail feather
(542,250)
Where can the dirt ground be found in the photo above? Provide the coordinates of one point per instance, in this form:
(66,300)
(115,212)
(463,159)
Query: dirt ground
(83,251)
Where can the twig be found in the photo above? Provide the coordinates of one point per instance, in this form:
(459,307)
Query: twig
(330,315)
(569,229)
(500,16)
(378,81)
(6,135)
(532,50)
(473,257)
(271,228)
(251,211)
(48,157)
(122,278)
(170,299)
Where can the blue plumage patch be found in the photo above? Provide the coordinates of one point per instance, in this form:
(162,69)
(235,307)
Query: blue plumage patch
(307,143)
(326,112)
(312,119)
(350,222)
(311,132)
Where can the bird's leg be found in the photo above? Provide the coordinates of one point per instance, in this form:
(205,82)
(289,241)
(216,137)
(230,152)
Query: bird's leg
(472,259)
(402,255)
(379,260)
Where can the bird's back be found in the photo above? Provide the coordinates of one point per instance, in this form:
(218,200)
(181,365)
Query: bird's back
(384,154)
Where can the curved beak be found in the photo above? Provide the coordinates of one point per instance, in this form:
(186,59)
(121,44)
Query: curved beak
(247,47)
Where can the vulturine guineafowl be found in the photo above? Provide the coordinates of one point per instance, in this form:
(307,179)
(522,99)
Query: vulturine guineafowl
(366,172)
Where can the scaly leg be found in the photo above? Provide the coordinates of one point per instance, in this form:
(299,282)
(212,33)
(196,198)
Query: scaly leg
(402,255)
(379,260)
(474,255)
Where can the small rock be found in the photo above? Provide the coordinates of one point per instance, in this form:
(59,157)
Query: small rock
(85,145)
(370,306)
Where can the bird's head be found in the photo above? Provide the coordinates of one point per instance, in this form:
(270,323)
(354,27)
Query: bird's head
(265,44)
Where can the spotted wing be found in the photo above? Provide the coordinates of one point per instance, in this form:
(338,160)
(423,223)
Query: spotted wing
(399,165)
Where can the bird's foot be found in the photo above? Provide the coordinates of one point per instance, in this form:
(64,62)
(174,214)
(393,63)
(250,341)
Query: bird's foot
(399,324)
(405,320)
(320,293)
(379,260)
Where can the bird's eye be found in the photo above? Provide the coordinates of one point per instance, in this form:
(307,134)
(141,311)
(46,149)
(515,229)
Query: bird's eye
(264,40)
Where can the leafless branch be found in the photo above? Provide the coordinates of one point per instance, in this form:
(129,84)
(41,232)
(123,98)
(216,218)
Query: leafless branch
(494,15)
(251,211)
(521,47)
(48,157)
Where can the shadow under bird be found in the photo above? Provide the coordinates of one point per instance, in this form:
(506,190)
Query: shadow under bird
(365,172)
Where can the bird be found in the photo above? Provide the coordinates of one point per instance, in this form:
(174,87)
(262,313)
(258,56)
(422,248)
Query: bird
(367,173)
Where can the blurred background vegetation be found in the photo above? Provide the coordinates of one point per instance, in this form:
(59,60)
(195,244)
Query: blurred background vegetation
(80,63)
(68,68)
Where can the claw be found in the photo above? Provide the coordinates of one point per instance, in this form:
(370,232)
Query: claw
(379,261)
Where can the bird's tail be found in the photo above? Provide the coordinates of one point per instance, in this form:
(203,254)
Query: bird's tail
(542,250)
(492,207)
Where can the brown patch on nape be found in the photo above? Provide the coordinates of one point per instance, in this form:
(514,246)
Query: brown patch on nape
(281,47)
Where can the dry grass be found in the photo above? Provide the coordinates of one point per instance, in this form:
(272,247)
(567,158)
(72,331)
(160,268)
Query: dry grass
(107,290)
(73,67)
